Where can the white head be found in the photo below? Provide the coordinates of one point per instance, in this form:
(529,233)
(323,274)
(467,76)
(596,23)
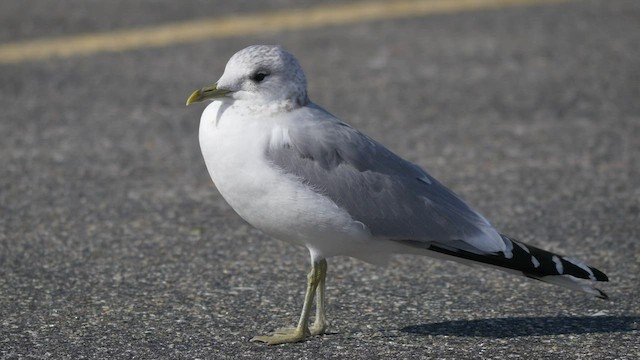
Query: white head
(259,74)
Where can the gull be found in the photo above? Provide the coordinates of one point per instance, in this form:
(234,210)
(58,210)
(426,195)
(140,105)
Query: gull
(296,172)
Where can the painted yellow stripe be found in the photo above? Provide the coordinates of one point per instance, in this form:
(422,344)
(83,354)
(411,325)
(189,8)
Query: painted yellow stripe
(241,25)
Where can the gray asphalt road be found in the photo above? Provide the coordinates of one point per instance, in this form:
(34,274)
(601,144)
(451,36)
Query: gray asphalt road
(115,244)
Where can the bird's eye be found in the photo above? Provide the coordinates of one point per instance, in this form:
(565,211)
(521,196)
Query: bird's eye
(259,76)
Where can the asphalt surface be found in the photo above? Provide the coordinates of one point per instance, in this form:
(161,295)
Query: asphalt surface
(115,244)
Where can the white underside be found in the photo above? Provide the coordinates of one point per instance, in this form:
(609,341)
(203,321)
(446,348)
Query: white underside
(233,146)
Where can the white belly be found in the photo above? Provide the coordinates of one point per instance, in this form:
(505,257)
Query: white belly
(234,148)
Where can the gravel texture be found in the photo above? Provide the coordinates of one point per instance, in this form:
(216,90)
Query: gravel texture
(115,244)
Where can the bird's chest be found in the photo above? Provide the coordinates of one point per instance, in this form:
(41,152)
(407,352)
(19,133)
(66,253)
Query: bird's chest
(234,150)
(234,154)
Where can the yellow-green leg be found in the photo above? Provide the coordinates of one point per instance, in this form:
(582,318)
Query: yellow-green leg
(320,323)
(315,281)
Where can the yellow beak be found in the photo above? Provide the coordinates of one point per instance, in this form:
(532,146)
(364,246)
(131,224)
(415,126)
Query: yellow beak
(207,93)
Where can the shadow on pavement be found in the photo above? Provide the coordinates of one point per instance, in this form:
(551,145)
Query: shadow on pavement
(528,326)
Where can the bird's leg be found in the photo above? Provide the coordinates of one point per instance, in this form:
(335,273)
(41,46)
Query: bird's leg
(300,332)
(320,323)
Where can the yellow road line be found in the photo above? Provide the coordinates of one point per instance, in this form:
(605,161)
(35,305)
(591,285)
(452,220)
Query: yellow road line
(239,25)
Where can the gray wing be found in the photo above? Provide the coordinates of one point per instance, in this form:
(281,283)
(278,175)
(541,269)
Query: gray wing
(394,198)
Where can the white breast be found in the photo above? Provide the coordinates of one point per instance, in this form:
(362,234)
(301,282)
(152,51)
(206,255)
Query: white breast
(233,146)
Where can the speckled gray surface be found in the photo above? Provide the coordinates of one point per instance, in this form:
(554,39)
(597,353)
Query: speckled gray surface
(114,243)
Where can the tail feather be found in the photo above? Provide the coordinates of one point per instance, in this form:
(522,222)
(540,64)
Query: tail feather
(537,264)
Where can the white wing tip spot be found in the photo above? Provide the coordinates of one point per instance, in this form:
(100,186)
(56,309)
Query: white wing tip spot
(559,267)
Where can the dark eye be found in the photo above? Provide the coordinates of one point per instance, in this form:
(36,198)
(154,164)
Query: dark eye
(259,76)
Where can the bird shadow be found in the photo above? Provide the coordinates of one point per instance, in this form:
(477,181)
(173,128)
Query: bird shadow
(511,327)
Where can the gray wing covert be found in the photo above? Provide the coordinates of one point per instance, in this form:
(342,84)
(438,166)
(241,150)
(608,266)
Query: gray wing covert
(394,198)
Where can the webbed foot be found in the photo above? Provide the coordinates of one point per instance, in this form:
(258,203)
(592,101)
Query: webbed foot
(284,336)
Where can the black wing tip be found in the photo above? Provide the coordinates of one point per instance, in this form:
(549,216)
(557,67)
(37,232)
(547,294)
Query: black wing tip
(602,295)
(600,276)
(569,264)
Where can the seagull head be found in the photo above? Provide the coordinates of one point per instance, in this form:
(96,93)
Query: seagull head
(259,74)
